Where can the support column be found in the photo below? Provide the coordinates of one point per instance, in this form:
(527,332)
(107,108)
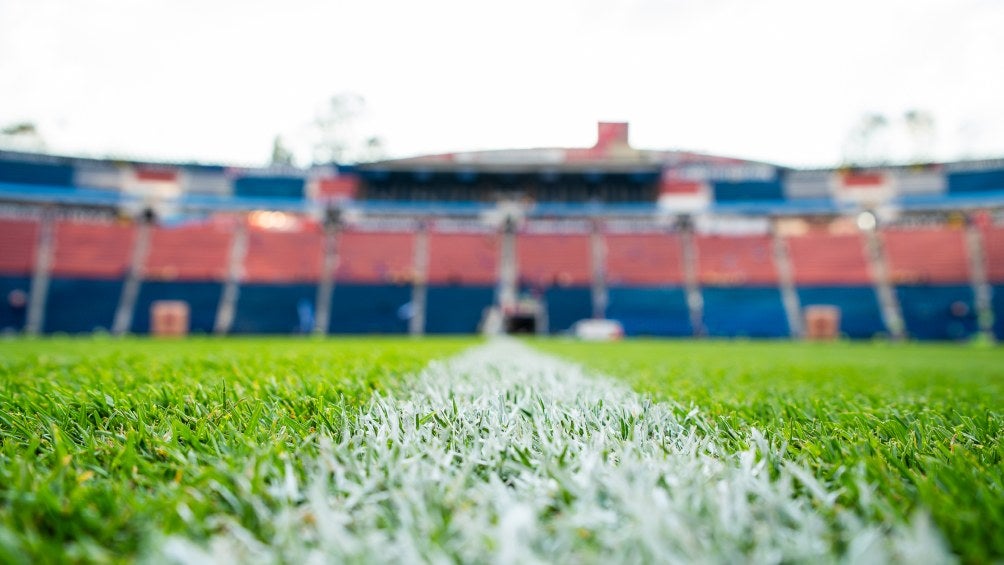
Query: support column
(892,315)
(231,288)
(691,283)
(598,253)
(134,278)
(419,289)
(508,269)
(35,318)
(326,285)
(982,291)
(786,283)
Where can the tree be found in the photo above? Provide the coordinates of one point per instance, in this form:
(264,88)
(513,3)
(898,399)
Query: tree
(921,129)
(865,144)
(22,136)
(281,155)
(339,132)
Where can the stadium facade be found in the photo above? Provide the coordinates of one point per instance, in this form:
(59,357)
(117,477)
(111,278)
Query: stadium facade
(670,243)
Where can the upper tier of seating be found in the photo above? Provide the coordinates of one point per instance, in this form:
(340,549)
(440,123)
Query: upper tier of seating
(821,258)
(463,258)
(284,256)
(735,260)
(926,255)
(189,252)
(545,260)
(92,249)
(376,257)
(644,259)
(18,238)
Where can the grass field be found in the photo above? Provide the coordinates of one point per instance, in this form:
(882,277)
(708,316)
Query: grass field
(896,428)
(285,450)
(103,442)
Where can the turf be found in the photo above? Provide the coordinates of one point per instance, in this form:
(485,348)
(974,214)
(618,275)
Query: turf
(898,429)
(103,442)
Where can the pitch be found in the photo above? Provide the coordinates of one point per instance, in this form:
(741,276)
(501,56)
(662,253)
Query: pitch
(455,449)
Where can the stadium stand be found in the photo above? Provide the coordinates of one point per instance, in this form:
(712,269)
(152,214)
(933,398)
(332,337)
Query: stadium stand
(721,212)
(171,255)
(993,251)
(732,260)
(822,258)
(463,258)
(744,312)
(644,259)
(376,257)
(926,255)
(550,259)
(99,248)
(18,241)
(292,256)
(202,296)
(652,311)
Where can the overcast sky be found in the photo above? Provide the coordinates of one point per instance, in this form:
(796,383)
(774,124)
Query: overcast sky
(777,80)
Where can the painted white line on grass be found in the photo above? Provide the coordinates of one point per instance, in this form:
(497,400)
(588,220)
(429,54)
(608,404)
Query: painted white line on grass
(503,454)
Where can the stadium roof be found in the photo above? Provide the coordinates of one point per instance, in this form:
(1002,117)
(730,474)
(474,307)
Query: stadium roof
(611,153)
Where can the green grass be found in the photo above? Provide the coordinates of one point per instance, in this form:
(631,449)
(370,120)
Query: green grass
(922,424)
(103,442)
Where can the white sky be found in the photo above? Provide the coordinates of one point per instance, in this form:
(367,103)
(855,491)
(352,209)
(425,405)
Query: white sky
(777,80)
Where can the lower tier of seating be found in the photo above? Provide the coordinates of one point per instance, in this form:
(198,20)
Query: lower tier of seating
(203,300)
(567,305)
(860,315)
(744,312)
(66,312)
(938,312)
(275,309)
(930,312)
(654,311)
(14,306)
(456,309)
(370,309)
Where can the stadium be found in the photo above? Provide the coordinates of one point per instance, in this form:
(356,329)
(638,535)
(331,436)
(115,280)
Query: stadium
(668,243)
(752,315)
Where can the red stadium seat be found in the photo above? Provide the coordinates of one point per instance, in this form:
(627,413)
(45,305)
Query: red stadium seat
(993,249)
(463,258)
(376,257)
(926,255)
(735,260)
(18,240)
(284,256)
(171,255)
(644,259)
(554,259)
(92,249)
(821,258)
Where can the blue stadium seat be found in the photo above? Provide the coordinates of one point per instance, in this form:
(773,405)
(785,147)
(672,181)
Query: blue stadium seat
(369,308)
(998,308)
(963,182)
(49,174)
(269,187)
(744,312)
(456,309)
(65,311)
(650,311)
(275,308)
(860,315)
(938,312)
(13,318)
(742,191)
(203,299)
(567,305)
